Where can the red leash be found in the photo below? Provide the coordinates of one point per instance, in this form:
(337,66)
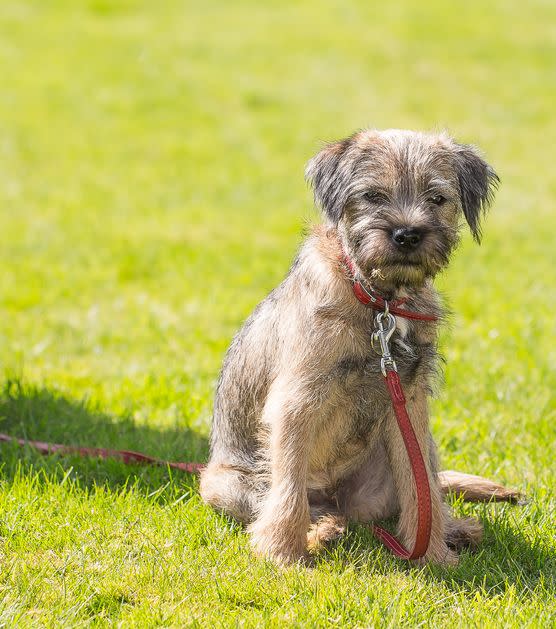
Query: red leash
(383,334)
(424,509)
(127,456)
(422,487)
(369,297)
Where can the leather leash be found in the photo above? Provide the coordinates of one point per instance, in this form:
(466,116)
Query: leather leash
(385,325)
(128,457)
(370,297)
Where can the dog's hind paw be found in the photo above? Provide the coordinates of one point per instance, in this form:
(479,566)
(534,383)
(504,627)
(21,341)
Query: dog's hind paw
(462,533)
(326,529)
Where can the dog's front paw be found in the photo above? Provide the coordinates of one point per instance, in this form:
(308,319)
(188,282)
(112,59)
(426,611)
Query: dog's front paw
(437,553)
(440,555)
(283,543)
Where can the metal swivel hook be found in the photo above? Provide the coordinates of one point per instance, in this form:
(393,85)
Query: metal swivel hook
(385,326)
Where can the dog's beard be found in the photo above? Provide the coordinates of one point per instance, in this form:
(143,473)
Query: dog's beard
(402,274)
(382,274)
(383,265)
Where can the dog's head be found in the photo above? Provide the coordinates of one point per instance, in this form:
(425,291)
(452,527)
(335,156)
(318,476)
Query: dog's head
(397,197)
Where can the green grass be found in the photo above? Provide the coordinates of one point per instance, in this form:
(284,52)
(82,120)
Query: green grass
(151,193)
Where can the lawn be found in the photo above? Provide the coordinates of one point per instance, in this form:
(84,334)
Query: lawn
(151,193)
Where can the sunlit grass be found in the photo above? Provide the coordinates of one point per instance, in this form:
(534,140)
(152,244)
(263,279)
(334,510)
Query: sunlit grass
(151,193)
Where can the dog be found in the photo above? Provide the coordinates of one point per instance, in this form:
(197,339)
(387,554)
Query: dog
(304,438)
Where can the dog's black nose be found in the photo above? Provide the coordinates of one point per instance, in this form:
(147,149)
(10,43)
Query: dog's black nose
(406,239)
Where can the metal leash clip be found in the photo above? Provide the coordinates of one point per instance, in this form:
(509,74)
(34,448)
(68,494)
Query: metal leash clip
(385,326)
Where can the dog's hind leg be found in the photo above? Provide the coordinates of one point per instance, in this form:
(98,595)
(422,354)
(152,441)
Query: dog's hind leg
(233,490)
(475,488)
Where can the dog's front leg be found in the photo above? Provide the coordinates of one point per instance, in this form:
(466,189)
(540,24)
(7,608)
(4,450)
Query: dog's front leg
(280,530)
(438,551)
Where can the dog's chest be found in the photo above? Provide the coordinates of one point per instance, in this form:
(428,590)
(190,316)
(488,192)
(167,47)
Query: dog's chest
(410,349)
(361,401)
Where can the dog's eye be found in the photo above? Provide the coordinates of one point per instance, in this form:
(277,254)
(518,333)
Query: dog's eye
(438,199)
(375,197)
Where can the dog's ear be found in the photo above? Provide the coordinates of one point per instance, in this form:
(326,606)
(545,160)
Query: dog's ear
(329,175)
(477,183)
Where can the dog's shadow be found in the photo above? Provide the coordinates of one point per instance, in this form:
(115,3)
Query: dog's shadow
(506,558)
(41,414)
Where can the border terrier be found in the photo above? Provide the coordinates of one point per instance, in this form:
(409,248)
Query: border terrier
(304,438)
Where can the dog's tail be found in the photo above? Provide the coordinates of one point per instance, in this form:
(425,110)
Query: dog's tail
(476,488)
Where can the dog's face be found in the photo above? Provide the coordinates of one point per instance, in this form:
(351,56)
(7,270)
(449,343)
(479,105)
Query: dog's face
(397,199)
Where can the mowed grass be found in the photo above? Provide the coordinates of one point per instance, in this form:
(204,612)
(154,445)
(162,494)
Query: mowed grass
(151,193)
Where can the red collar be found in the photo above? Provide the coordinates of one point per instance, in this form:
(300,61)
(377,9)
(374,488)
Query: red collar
(368,296)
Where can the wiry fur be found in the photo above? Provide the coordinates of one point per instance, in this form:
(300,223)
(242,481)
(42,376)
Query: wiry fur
(303,429)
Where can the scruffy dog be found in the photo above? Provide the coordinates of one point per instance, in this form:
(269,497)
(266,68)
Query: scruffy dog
(304,437)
